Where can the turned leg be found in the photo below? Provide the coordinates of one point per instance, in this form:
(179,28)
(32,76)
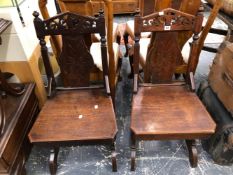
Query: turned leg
(53,160)
(126,37)
(191,145)
(133,151)
(114,163)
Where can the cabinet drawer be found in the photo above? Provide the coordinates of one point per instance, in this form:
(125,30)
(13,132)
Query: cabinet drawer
(119,6)
(124,7)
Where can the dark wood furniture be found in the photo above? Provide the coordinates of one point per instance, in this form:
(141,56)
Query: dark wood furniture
(18,109)
(119,6)
(77,112)
(17,116)
(163,109)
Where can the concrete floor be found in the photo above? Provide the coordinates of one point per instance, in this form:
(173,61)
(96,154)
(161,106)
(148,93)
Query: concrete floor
(153,157)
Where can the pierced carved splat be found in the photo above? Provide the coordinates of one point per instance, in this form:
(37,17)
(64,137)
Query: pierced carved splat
(68,22)
(76,61)
(168,19)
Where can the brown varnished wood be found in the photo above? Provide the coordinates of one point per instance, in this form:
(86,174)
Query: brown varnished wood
(163,65)
(81,113)
(75,116)
(169,112)
(83,7)
(161,108)
(147,7)
(20,112)
(75,63)
(119,6)
(177,21)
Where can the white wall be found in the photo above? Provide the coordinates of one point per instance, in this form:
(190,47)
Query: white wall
(18,42)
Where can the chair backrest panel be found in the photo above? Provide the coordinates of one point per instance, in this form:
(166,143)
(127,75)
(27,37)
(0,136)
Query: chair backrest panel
(164,55)
(75,60)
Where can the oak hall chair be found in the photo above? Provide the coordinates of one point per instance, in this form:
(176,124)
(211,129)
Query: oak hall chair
(164,108)
(78,113)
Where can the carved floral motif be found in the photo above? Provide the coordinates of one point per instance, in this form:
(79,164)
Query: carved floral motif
(169,17)
(69,21)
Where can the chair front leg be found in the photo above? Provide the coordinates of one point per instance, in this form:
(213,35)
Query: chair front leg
(114,162)
(53,160)
(192,149)
(133,151)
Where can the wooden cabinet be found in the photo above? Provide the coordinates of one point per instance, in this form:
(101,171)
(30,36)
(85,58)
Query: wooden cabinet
(19,115)
(119,6)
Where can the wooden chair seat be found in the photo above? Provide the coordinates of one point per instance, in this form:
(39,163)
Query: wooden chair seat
(72,116)
(169,112)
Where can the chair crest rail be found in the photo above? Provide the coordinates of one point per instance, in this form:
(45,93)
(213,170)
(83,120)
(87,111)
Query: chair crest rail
(168,19)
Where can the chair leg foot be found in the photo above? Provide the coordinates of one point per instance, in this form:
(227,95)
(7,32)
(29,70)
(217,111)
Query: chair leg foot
(191,145)
(53,160)
(133,152)
(114,162)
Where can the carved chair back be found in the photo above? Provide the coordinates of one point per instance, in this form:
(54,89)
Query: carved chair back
(73,6)
(165,53)
(75,60)
(147,7)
